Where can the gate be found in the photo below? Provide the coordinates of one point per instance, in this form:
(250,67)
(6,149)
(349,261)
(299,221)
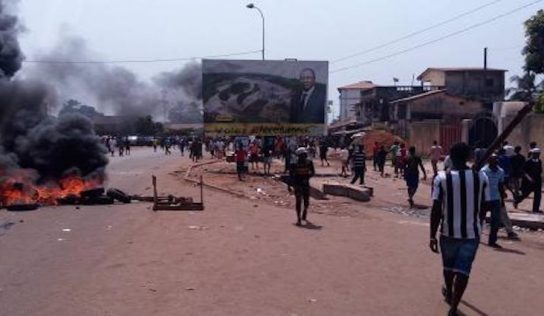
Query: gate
(483,131)
(449,135)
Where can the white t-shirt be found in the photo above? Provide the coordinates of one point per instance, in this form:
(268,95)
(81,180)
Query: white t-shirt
(344,154)
(436,152)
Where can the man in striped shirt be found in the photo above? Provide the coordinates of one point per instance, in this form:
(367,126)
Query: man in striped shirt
(459,195)
(359,165)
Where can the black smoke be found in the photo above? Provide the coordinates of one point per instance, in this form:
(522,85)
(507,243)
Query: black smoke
(29,138)
(185,93)
(11,57)
(114,89)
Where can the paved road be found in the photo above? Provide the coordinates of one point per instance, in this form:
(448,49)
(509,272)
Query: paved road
(242,259)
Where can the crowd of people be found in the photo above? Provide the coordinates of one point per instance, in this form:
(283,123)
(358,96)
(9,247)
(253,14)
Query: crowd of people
(464,189)
(120,144)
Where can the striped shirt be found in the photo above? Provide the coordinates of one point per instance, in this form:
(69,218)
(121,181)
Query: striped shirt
(461,193)
(359,160)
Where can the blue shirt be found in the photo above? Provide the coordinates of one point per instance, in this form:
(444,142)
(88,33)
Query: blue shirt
(495,178)
(505,163)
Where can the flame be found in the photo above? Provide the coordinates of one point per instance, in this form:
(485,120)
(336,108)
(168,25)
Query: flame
(20,188)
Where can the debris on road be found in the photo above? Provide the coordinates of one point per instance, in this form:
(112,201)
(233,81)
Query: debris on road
(172,203)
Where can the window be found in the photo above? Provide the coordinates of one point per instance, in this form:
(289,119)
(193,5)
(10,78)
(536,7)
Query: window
(489,82)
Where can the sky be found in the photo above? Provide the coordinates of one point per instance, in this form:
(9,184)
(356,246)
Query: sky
(302,29)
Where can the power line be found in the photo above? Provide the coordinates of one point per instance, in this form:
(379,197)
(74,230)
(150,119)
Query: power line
(417,32)
(137,60)
(473,26)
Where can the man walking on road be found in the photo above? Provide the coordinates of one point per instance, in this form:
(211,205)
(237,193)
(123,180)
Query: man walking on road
(359,165)
(435,154)
(496,178)
(532,181)
(375,151)
(411,174)
(300,173)
(517,163)
(458,195)
(323,148)
(344,158)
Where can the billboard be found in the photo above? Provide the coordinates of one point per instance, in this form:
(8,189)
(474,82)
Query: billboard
(264,97)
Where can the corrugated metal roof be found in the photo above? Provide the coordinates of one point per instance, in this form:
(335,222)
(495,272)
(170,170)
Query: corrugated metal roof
(359,85)
(452,69)
(419,96)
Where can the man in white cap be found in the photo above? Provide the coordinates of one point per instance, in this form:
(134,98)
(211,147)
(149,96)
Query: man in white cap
(300,173)
(532,180)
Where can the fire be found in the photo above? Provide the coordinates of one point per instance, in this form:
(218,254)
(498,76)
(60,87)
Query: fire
(20,188)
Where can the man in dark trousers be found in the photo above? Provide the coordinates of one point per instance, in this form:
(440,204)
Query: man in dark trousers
(461,216)
(308,105)
(323,148)
(496,178)
(517,164)
(300,173)
(359,165)
(411,173)
(532,180)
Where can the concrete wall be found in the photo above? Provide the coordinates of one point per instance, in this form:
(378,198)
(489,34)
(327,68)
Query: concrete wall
(445,105)
(530,129)
(473,84)
(422,134)
(348,98)
(435,78)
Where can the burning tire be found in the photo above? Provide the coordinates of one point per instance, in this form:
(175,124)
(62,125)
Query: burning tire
(118,195)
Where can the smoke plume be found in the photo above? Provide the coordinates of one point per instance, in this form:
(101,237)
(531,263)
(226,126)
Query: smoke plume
(115,89)
(29,139)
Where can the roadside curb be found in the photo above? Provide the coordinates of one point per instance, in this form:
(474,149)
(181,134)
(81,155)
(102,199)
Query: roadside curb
(211,186)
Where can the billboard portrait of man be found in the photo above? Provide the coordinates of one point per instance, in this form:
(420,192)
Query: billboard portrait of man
(264,97)
(308,103)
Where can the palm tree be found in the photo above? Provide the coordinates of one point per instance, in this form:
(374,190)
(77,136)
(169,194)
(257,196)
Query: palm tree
(526,87)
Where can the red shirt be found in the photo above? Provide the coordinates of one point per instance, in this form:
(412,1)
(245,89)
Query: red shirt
(376,149)
(240,155)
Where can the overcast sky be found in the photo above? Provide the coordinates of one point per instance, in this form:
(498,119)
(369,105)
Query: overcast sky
(302,29)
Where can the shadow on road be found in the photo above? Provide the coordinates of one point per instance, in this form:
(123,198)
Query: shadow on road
(473,308)
(508,250)
(310,225)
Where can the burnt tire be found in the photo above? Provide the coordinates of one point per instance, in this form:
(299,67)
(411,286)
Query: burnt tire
(118,195)
(92,193)
(98,200)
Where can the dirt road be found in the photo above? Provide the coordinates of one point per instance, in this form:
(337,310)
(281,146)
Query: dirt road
(240,257)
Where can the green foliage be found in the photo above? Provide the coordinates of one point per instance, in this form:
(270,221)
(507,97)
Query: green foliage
(146,126)
(525,89)
(534,48)
(539,106)
(74,106)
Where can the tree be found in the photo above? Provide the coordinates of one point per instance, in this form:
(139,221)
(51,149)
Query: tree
(74,106)
(146,126)
(534,48)
(526,87)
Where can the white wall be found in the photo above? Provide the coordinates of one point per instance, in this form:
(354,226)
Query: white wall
(348,98)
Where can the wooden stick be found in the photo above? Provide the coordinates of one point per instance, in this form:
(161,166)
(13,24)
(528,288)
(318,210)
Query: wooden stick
(505,133)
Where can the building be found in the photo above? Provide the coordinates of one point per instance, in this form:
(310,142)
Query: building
(375,102)
(450,105)
(349,96)
(483,84)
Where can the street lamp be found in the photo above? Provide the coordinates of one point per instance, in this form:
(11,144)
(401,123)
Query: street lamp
(252,6)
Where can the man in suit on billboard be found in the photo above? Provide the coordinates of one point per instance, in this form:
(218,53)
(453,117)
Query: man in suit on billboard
(308,104)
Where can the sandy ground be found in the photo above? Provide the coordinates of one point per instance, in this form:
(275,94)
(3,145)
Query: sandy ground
(244,256)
